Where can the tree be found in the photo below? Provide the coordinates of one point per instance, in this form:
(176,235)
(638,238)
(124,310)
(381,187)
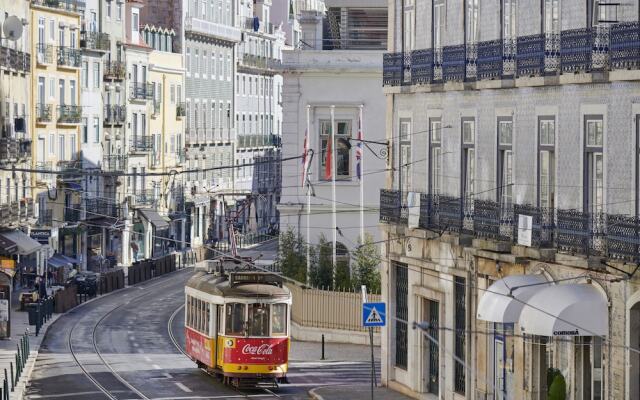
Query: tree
(292,256)
(558,388)
(367,260)
(322,268)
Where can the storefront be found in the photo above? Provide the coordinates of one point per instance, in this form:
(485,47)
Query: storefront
(155,231)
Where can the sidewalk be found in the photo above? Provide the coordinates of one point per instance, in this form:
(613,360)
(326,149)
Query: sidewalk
(355,392)
(9,346)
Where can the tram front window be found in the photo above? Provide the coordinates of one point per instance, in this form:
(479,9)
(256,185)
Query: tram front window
(258,320)
(234,319)
(279,319)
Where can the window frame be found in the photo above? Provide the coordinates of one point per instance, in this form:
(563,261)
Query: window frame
(504,153)
(591,151)
(435,146)
(548,147)
(324,140)
(467,160)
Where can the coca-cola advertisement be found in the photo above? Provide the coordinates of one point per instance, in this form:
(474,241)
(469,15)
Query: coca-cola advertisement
(198,347)
(257,351)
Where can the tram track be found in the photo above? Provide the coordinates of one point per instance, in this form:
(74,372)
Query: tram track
(89,375)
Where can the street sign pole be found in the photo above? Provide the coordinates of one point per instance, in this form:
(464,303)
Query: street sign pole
(373,365)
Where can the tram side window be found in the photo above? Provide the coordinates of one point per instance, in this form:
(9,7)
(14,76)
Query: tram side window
(234,316)
(258,320)
(279,319)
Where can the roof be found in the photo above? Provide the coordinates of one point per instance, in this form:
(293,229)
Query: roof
(25,245)
(156,219)
(219,285)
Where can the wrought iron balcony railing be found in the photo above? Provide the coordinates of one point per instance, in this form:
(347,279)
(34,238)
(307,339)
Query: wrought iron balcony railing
(45,218)
(612,235)
(99,208)
(69,57)
(114,162)
(69,114)
(72,213)
(114,70)
(114,114)
(43,112)
(181,110)
(44,166)
(14,59)
(95,41)
(145,197)
(44,53)
(141,91)
(66,5)
(260,62)
(601,48)
(141,143)
(12,149)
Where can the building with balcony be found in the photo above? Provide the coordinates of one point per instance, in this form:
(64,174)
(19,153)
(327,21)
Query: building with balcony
(15,119)
(317,77)
(511,209)
(54,30)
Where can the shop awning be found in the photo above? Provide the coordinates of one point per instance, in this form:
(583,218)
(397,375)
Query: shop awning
(25,244)
(154,218)
(56,261)
(7,245)
(68,259)
(576,309)
(503,301)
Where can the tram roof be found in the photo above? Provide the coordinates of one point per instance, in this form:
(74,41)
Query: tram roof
(222,285)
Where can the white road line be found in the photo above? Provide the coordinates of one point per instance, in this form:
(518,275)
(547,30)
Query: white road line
(155,366)
(147,359)
(168,375)
(135,344)
(183,387)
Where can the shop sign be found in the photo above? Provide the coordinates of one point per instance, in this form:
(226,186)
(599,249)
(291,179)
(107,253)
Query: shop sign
(40,235)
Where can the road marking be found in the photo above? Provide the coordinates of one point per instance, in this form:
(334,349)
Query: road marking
(135,344)
(183,387)
(65,395)
(147,359)
(168,375)
(156,366)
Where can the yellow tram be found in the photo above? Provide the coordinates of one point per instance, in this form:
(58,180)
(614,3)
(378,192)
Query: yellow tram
(237,323)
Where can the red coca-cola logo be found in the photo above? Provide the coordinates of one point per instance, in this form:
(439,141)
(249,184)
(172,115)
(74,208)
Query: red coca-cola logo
(263,349)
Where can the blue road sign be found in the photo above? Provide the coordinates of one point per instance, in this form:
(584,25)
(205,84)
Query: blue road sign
(374,314)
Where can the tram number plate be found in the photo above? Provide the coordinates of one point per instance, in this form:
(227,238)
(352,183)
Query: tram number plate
(257,351)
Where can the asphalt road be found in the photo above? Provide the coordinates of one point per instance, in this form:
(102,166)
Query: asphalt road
(122,344)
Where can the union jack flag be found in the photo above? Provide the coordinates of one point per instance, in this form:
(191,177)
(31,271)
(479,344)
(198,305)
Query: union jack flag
(359,151)
(305,156)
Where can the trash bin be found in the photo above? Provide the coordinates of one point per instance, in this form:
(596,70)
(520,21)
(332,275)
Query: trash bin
(32,309)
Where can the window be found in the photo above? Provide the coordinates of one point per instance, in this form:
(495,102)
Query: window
(173,94)
(84,76)
(188,60)
(119,11)
(589,368)
(552,16)
(85,130)
(220,66)
(61,90)
(73,144)
(594,166)
(52,30)
(52,88)
(435,156)
(234,318)
(402,314)
(258,320)
(468,162)
(52,144)
(341,152)
(61,149)
(438,22)
(61,41)
(212,68)
(196,62)
(41,96)
(72,90)
(472,21)
(279,320)
(405,155)
(546,162)
(134,125)
(96,75)
(96,130)
(509,15)
(108,9)
(135,24)
(505,163)
(460,336)
(431,350)
(409,25)
(228,72)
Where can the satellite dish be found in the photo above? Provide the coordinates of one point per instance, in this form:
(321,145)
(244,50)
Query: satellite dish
(12,28)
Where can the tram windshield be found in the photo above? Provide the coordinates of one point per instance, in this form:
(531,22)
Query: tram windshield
(258,320)
(279,319)
(234,319)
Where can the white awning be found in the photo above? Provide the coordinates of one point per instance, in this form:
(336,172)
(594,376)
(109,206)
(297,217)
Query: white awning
(504,299)
(25,244)
(576,309)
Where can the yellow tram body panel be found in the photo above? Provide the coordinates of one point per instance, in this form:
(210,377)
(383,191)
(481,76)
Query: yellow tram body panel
(261,356)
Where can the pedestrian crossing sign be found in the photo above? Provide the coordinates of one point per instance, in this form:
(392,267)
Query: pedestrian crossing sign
(374,314)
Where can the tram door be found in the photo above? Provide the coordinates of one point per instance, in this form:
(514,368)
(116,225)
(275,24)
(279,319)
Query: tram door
(217,329)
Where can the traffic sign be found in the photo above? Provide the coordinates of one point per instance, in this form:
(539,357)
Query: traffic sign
(374,314)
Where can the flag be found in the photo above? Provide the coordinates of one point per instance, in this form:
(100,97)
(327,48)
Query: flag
(305,158)
(327,159)
(359,151)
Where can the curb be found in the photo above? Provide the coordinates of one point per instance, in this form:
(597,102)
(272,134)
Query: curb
(312,393)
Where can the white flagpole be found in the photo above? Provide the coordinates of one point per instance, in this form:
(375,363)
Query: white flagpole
(308,183)
(361,134)
(333,188)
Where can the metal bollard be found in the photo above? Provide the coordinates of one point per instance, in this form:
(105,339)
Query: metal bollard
(322,358)
(14,381)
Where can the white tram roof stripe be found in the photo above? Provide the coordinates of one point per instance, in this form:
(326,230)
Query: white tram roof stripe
(226,300)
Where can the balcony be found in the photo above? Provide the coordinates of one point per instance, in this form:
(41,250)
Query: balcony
(254,62)
(114,115)
(16,212)
(44,53)
(245,141)
(44,166)
(65,5)
(585,50)
(43,113)
(141,91)
(571,231)
(99,207)
(14,149)
(69,57)
(114,163)
(114,70)
(69,114)
(45,218)
(15,60)
(144,197)
(212,29)
(95,41)
(141,143)
(181,110)
(72,213)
